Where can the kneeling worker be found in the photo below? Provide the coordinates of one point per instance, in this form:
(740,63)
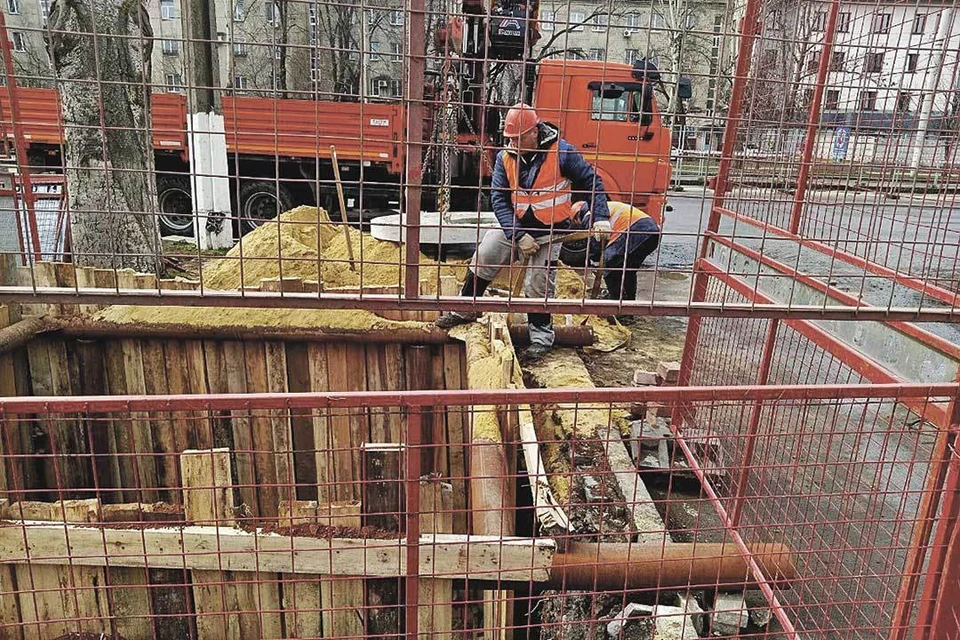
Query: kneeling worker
(634,235)
(533,186)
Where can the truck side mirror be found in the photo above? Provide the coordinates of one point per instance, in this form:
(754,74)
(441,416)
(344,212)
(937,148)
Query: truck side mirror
(684,88)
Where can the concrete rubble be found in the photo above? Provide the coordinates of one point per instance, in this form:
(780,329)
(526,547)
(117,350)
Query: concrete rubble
(729,614)
(671,623)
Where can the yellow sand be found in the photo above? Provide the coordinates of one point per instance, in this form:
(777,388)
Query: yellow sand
(227,319)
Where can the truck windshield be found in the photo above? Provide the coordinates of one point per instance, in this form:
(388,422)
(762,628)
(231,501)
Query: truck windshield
(616,102)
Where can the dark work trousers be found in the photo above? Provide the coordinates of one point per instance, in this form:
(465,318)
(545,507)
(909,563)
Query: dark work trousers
(624,256)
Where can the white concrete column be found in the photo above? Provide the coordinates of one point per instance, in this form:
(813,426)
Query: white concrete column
(210,180)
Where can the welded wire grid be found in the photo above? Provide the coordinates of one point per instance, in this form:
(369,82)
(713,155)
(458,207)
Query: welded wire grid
(294,79)
(239,531)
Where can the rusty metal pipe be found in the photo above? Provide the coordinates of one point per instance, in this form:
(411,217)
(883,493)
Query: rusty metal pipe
(618,566)
(566,335)
(20,333)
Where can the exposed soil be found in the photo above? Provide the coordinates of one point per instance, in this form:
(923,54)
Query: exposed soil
(654,340)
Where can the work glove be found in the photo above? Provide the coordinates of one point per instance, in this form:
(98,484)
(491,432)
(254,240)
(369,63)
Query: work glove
(601,230)
(527,245)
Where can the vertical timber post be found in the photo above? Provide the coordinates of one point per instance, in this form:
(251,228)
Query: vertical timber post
(413,171)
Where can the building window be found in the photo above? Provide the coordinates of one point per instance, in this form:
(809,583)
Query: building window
(547,18)
(170,47)
(239,12)
(820,22)
(240,82)
(813,62)
(690,21)
(598,54)
(843,22)
(397,51)
(600,22)
(881,22)
(913,61)
(19,42)
(577,18)
(919,23)
(874,62)
(312,14)
(833,100)
(838,60)
(168,11)
(271,13)
(903,102)
(657,21)
(376,51)
(174,82)
(396,18)
(631,56)
(868,101)
(278,52)
(633,21)
(385,88)
(240,49)
(13,6)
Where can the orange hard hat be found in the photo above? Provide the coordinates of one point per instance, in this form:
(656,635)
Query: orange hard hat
(521,118)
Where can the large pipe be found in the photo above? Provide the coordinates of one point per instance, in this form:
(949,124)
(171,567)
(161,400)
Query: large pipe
(617,566)
(576,335)
(84,327)
(20,333)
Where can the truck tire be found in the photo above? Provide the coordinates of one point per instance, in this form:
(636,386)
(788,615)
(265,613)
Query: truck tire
(175,203)
(261,201)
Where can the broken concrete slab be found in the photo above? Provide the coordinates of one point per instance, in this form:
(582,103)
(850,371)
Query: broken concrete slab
(688,602)
(644,378)
(668,623)
(759,609)
(669,372)
(673,623)
(729,614)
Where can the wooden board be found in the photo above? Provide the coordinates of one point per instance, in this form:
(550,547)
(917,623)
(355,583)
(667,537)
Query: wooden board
(341,598)
(162,426)
(453,367)
(306,371)
(383,505)
(277,438)
(301,593)
(227,605)
(435,605)
(344,475)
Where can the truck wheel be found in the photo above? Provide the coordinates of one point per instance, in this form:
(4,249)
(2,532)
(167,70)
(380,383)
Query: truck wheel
(176,206)
(260,202)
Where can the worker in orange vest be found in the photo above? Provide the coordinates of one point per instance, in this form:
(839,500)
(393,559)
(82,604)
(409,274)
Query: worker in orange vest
(634,235)
(535,181)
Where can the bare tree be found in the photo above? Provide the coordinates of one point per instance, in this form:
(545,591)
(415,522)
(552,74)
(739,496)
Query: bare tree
(682,46)
(107,151)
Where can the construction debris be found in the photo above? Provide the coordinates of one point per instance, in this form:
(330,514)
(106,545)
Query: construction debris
(691,606)
(729,614)
(655,622)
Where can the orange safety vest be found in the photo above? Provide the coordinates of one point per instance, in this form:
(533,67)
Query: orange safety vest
(622,217)
(549,196)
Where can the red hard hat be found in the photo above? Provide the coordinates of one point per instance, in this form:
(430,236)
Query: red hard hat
(521,118)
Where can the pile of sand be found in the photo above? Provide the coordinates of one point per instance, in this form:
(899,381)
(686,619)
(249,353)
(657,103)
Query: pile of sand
(304,243)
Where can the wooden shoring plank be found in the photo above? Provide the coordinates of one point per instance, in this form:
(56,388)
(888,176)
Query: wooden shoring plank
(383,508)
(277,439)
(341,597)
(306,371)
(375,359)
(142,462)
(236,369)
(66,277)
(230,549)
(260,439)
(41,275)
(320,436)
(64,599)
(359,419)
(165,445)
(228,605)
(200,432)
(395,379)
(215,369)
(454,378)
(92,375)
(435,604)
(86,279)
(419,372)
(66,473)
(301,593)
(345,476)
(208,500)
(438,417)
(12,466)
(119,433)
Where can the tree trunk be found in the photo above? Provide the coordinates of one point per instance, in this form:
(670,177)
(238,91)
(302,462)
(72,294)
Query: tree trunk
(101,53)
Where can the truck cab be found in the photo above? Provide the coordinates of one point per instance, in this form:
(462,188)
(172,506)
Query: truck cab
(609,113)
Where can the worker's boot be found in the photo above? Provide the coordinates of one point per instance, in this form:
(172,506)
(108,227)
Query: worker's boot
(535,352)
(472,286)
(455,318)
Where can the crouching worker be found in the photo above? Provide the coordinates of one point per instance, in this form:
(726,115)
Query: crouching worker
(634,235)
(533,187)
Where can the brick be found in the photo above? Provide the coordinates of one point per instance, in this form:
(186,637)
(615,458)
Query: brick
(729,614)
(644,378)
(669,371)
